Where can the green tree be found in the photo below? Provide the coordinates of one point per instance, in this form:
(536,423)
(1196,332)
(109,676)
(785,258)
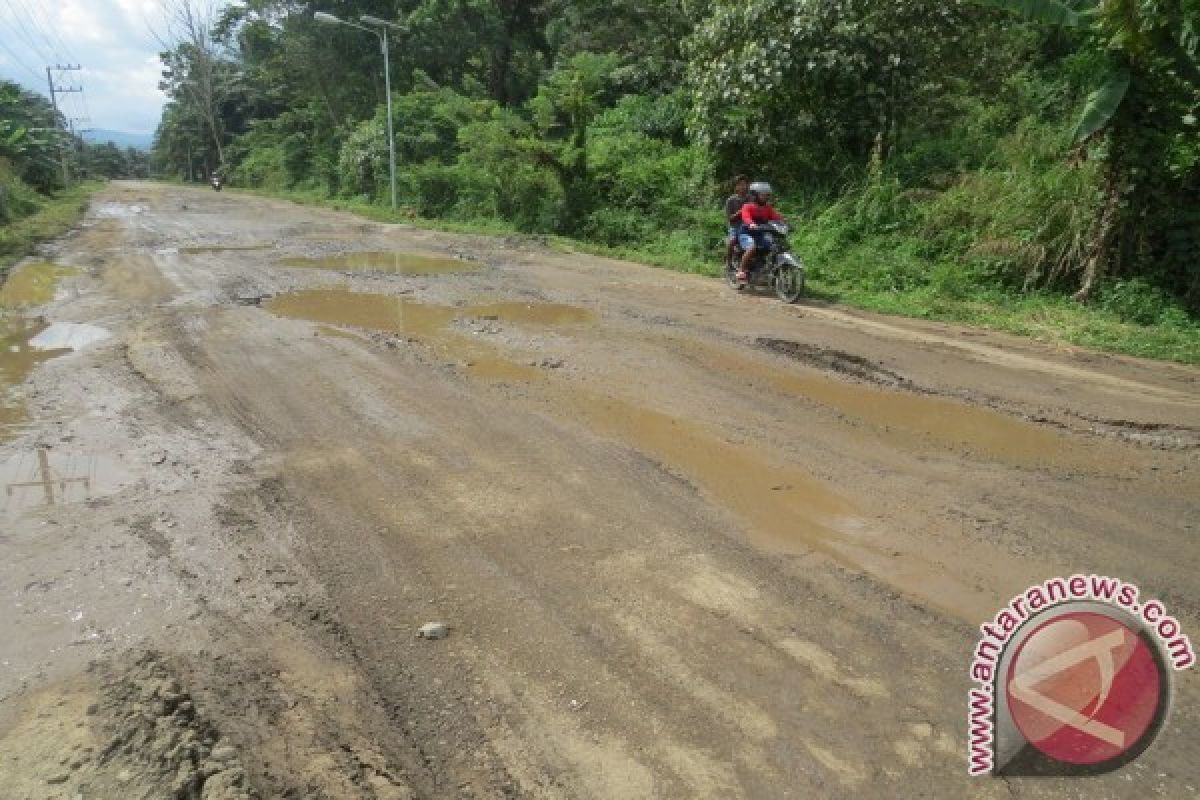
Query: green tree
(1142,117)
(32,136)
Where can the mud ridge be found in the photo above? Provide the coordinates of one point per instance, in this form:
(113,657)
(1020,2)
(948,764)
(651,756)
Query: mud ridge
(837,361)
(158,740)
(1158,436)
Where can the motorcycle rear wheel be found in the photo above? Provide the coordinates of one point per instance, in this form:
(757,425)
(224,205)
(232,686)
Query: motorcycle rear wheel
(731,273)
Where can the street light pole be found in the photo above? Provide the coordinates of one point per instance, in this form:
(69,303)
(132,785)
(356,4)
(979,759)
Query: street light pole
(380,29)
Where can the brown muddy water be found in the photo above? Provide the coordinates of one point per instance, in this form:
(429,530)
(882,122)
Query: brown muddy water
(429,323)
(533,313)
(17,359)
(392,262)
(32,284)
(782,507)
(914,421)
(198,250)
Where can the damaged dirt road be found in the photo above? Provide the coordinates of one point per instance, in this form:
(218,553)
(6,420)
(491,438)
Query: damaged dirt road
(688,544)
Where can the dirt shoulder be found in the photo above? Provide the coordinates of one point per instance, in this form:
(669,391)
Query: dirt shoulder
(687,543)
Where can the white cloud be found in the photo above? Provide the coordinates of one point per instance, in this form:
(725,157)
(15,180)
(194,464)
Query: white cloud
(110,39)
(80,23)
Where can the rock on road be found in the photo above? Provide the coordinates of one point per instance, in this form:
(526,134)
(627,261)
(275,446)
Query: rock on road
(676,542)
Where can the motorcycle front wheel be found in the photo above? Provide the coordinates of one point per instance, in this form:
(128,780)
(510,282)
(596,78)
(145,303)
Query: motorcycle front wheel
(789,283)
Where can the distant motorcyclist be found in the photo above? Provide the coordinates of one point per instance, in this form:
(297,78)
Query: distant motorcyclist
(757,212)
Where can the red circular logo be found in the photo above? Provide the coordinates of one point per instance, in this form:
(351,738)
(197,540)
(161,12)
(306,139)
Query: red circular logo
(1084,688)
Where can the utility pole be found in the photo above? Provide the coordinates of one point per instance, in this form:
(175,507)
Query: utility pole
(47,480)
(54,92)
(379,27)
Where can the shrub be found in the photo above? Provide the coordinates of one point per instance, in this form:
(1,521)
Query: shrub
(1137,302)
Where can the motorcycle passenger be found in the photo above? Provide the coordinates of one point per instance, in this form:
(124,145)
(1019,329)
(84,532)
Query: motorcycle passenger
(755,213)
(733,213)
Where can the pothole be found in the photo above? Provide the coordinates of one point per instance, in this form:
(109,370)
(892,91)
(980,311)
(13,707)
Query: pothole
(391,262)
(197,250)
(18,357)
(430,323)
(534,313)
(32,284)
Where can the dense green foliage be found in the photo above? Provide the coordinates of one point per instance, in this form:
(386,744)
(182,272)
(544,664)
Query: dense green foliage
(30,140)
(998,151)
(34,148)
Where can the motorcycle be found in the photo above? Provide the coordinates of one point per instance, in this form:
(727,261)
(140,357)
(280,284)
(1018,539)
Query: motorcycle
(773,265)
(215,182)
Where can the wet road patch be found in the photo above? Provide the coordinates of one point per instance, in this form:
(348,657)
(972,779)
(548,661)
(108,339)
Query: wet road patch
(18,357)
(33,284)
(428,323)
(383,261)
(45,478)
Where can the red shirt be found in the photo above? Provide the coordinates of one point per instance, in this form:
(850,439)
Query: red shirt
(754,214)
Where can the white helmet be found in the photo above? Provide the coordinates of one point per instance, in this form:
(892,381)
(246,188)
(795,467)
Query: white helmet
(761,190)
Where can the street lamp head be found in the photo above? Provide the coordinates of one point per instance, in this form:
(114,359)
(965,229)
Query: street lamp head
(369,20)
(328,19)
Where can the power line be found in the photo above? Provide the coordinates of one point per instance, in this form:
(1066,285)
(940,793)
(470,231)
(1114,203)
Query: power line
(54,92)
(20,63)
(87,111)
(29,40)
(47,29)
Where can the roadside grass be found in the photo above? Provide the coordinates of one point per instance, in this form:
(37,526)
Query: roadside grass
(881,277)
(1042,316)
(57,215)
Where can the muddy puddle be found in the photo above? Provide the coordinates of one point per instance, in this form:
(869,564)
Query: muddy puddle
(45,478)
(783,505)
(362,310)
(391,262)
(18,357)
(32,284)
(113,210)
(533,313)
(911,421)
(198,250)
(62,336)
(783,508)
(429,323)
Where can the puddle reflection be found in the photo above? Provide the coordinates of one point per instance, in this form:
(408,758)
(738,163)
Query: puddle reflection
(45,478)
(398,263)
(18,357)
(427,322)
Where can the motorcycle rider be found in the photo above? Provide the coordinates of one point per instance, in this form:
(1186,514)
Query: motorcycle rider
(733,213)
(754,214)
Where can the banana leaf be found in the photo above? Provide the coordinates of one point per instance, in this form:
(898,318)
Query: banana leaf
(1102,105)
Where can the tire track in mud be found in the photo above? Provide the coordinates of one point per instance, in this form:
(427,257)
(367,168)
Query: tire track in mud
(856,368)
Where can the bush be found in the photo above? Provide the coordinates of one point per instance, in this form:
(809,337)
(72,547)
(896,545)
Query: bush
(16,198)
(264,167)
(1137,302)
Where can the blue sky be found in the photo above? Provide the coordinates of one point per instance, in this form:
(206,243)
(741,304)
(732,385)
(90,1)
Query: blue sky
(110,39)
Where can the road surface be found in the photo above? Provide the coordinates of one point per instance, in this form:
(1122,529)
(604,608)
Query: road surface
(687,543)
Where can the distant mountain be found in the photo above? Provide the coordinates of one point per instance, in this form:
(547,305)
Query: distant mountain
(141,141)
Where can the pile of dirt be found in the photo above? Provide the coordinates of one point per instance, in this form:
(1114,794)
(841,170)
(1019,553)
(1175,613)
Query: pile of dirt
(153,731)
